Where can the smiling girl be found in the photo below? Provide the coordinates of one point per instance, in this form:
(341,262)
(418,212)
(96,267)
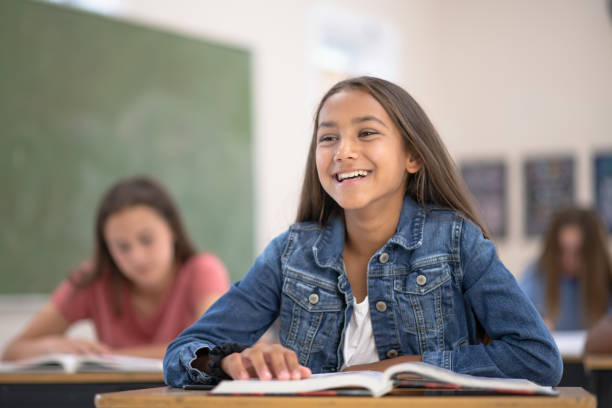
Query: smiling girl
(145,284)
(387,262)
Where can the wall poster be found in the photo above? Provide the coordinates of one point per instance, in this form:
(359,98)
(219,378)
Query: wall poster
(603,187)
(487,182)
(549,184)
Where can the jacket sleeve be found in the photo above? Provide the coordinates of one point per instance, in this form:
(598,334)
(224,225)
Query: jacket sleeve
(522,346)
(532,285)
(240,316)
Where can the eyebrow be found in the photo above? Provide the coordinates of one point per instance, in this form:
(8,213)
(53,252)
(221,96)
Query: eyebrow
(354,121)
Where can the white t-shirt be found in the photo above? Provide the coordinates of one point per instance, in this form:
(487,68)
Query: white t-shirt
(359,346)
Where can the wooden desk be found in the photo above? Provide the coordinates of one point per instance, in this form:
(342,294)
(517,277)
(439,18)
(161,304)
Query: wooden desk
(599,367)
(178,398)
(598,362)
(58,389)
(79,378)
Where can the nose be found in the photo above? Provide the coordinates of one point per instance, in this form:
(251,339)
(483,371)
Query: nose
(347,149)
(137,254)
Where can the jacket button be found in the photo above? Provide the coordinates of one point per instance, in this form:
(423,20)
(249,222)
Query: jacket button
(381,306)
(383,258)
(313,298)
(392,353)
(421,280)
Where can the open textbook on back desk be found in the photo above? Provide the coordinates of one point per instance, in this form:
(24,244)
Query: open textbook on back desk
(71,363)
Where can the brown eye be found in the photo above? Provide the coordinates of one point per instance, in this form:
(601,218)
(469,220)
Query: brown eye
(146,240)
(327,138)
(366,133)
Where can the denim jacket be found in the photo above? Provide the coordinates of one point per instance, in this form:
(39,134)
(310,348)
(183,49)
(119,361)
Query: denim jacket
(428,289)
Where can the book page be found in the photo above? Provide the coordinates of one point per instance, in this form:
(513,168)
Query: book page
(49,362)
(441,375)
(411,374)
(71,363)
(372,381)
(114,362)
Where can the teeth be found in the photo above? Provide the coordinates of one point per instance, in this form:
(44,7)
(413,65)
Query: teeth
(351,174)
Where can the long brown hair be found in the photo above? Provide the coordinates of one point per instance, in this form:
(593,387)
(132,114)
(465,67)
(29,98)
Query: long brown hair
(124,194)
(437,182)
(596,279)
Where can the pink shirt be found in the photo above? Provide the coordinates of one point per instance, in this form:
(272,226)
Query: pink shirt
(201,276)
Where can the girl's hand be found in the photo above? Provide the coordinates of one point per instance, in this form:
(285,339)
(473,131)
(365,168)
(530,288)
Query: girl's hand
(264,361)
(61,344)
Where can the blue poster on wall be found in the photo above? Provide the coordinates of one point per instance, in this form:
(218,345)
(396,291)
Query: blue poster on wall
(549,184)
(603,187)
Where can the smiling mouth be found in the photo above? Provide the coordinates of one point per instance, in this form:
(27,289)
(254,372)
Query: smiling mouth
(340,177)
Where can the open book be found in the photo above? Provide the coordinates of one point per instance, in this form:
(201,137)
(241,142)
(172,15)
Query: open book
(400,375)
(71,363)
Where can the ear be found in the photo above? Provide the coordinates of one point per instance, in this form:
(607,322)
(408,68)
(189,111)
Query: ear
(413,164)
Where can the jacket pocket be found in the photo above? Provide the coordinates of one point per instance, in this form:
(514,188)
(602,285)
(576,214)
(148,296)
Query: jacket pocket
(424,297)
(310,315)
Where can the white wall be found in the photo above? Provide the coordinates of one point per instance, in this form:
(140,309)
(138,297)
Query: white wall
(511,79)
(503,78)
(275,31)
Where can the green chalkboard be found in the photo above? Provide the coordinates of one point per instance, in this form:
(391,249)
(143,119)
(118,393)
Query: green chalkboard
(86,100)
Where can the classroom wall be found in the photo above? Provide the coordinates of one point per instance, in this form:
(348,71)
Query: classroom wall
(500,79)
(277,33)
(504,79)
(515,79)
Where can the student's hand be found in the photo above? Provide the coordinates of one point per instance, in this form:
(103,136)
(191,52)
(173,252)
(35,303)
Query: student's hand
(61,344)
(383,364)
(264,361)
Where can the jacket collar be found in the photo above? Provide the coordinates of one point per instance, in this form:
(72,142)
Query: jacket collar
(329,246)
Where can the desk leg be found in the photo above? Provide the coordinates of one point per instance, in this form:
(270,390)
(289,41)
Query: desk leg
(601,383)
(574,375)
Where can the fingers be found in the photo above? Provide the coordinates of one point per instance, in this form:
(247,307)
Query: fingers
(61,344)
(290,363)
(99,348)
(285,364)
(279,365)
(255,356)
(265,361)
(79,346)
(233,366)
(304,372)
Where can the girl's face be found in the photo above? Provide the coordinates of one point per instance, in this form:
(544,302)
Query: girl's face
(142,245)
(360,155)
(570,245)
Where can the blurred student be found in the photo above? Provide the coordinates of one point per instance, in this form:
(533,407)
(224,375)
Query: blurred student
(571,282)
(144,285)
